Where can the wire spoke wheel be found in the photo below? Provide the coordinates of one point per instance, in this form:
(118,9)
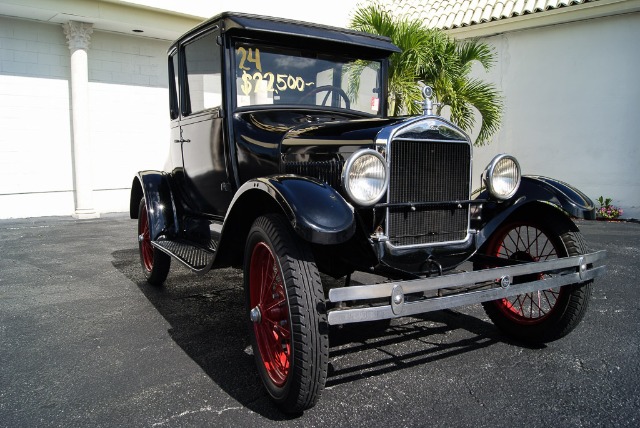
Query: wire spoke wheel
(155,264)
(548,314)
(146,249)
(528,244)
(272,331)
(286,309)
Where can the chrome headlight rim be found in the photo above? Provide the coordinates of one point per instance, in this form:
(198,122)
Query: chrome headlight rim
(490,177)
(346,170)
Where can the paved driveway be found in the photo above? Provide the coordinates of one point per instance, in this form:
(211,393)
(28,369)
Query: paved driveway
(84,341)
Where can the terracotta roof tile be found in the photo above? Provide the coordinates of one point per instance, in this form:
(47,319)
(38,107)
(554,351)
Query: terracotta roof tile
(459,19)
(497,11)
(447,14)
(476,18)
(508,10)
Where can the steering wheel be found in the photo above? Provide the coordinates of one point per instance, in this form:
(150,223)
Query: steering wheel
(328,89)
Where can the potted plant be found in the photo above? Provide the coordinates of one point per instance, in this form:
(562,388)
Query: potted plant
(607,211)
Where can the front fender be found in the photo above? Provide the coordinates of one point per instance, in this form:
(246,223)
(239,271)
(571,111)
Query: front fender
(558,193)
(533,192)
(315,210)
(156,189)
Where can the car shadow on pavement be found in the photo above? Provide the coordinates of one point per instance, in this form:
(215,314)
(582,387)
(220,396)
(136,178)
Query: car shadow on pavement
(206,318)
(405,343)
(206,314)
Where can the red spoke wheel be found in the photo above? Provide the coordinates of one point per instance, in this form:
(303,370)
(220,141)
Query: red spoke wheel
(155,263)
(548,314)
(269,303)
(285,305)
(527,243)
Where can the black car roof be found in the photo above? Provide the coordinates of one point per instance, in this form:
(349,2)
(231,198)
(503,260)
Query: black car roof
(232,21)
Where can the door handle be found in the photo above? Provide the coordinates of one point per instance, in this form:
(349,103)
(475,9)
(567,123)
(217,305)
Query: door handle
(181,141)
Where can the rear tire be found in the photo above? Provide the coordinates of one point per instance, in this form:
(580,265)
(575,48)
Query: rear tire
(285,304)
(545,315)
(155,264)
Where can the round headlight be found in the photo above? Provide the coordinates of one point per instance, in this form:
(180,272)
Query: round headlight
(502,177)
(365,178)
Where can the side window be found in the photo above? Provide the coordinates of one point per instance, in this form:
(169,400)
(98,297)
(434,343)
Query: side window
(204,75)
(174,103)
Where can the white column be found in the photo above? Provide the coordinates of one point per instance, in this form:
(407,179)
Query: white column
(78,37)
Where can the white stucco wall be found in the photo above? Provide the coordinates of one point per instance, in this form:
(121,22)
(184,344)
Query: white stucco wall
(572,105)
(128,117)
(35,138)
(129,113)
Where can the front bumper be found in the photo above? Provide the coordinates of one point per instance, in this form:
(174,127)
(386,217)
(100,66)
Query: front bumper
(405,297)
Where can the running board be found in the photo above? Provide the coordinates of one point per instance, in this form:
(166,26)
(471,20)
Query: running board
(496,283)
(195,258)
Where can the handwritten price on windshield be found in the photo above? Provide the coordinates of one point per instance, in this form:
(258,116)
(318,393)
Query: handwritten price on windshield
(274,82)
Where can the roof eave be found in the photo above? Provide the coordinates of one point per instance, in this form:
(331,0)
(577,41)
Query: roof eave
(591,10)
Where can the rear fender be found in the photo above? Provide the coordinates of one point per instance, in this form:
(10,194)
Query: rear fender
(545,195)
(155,187)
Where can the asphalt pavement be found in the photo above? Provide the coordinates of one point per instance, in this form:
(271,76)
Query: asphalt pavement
(85,341)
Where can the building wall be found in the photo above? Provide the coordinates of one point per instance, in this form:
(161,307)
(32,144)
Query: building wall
(572,105)
(570,91)
(129,126)
(35,147)
(129,113)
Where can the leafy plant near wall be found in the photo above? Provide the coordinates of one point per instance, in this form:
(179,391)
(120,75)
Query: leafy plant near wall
(608,211)
(439,61)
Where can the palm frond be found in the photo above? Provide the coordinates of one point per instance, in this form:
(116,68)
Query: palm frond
(486,98)
(432,56)
(354,72)
(373,19)
(474,50)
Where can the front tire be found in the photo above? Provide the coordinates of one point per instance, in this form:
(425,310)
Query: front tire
(285,304)
(155,264)
(545,315)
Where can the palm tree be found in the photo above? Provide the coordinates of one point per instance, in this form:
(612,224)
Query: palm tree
(429,55)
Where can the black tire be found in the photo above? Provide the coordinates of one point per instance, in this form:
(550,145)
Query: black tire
(546,315)
(289,322)
(155,264)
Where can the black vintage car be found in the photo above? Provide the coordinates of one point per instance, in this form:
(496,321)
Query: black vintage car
(285,163)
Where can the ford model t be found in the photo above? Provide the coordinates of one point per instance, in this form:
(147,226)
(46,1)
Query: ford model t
(285,163)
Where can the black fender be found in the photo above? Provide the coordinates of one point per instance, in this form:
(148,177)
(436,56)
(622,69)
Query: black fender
(547,195)
(317,212)
(155,186)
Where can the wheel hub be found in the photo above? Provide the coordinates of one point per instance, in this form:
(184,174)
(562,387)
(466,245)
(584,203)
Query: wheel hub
(255,315)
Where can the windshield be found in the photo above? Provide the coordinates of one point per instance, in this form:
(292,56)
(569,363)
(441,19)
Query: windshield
(271,76)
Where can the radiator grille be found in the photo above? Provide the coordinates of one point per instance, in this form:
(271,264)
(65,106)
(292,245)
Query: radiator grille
(423,171)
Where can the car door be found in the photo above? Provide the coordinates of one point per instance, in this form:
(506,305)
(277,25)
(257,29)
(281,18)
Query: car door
(201,127)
